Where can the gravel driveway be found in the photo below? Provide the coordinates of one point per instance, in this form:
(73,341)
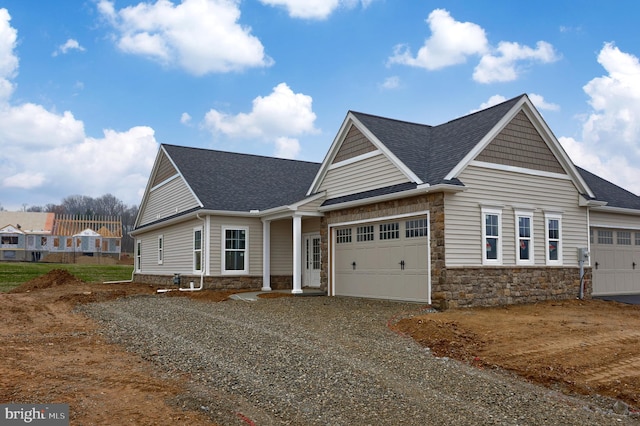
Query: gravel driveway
(324,361)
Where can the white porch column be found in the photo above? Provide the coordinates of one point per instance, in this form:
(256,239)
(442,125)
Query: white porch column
(297,254)
(266,255)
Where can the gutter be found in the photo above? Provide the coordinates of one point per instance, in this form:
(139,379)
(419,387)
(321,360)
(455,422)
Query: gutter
(421,189)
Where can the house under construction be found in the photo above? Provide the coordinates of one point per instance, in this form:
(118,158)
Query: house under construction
(28,236)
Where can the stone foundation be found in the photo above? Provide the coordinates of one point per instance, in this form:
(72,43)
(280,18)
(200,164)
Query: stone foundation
(492,286)
(278,282)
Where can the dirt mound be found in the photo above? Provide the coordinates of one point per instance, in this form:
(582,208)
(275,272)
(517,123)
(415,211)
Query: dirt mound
(53,278)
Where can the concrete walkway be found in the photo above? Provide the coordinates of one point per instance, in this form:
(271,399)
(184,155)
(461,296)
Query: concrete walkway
(629,299)
(253,295)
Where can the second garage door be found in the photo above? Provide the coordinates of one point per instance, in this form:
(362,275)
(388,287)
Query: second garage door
(615,261)
(385,259)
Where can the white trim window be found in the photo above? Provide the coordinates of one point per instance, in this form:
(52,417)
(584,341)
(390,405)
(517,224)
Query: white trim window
(197,249)
(553,238)
(235,241)
(524,237)
(491,236)
(160,249)
(138,255)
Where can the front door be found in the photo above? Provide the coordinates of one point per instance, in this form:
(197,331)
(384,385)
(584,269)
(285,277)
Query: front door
(311,258)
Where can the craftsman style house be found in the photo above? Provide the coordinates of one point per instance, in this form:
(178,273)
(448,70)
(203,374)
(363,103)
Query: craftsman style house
(484,209)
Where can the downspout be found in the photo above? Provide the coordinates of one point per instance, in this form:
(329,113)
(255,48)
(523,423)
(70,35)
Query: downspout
(203,255)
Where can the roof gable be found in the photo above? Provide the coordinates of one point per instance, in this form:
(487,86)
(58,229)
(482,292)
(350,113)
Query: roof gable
(520,145)
(228,181)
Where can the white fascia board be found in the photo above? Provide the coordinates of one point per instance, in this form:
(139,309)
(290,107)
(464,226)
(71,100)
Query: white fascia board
(396,195)
(619,210)
(583,202)
(190,216)
(337,142)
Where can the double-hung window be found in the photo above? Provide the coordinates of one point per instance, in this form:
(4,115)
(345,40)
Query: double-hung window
(197,249)
(160,249)
(553,234)
(234,250)
(138,254)
(491,236)
(524,237)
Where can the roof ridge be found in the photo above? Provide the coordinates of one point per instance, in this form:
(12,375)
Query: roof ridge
(390,119)
(238,153)
(483,109)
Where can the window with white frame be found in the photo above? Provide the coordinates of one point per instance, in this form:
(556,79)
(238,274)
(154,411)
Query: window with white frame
(605,237)
(197,249)
(491,236)
(524,237)
(160,249)
(138,254)
(553,232)
(235,250)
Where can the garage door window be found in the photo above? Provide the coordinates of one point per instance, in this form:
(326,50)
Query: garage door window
(415,228)
(605,237)
(624,238)
(390,231)
(638,238)
(343,236)
(364,233)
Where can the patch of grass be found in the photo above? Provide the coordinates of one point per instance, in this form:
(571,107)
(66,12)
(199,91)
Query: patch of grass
(12,274)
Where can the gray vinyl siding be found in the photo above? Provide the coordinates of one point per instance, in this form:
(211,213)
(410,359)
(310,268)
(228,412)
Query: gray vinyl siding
(254,251)
(354,144)
(167,200)
(600,219)
(364,175)
(164,171)
(178,249)
(282,247)
(513,191)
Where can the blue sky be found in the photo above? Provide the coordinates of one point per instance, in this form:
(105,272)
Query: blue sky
(89,89)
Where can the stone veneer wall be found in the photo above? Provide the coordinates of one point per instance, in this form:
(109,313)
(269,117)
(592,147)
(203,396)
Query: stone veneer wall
(278,282)
(491,286)
(464,287)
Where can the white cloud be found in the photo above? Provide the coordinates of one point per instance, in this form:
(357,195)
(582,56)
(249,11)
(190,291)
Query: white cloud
(70,44)
(493,100)
(46,156)
(542,104)
(610,145)
(504,64)
(281,114)
(287,147)
(451,42)
(185,118)
(201,36)
(391,83)
(8,59)
(314,9)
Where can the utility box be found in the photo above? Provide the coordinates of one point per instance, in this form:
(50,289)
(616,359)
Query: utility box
(583,254)
(176,279)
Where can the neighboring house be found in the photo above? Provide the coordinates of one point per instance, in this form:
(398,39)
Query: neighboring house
(32,236)
(25,236)
(485,209)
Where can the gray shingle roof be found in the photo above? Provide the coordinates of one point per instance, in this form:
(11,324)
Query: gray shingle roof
(242,182)
(431,152)
(614,195)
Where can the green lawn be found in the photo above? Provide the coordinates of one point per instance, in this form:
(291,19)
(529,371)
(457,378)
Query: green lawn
(13,274)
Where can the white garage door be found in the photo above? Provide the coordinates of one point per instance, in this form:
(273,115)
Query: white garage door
(615,261)
(383,260)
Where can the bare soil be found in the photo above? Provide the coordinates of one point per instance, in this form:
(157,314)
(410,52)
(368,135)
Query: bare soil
(582,346)
(53,355)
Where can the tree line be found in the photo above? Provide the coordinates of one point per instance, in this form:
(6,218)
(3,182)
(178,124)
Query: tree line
(106,205)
